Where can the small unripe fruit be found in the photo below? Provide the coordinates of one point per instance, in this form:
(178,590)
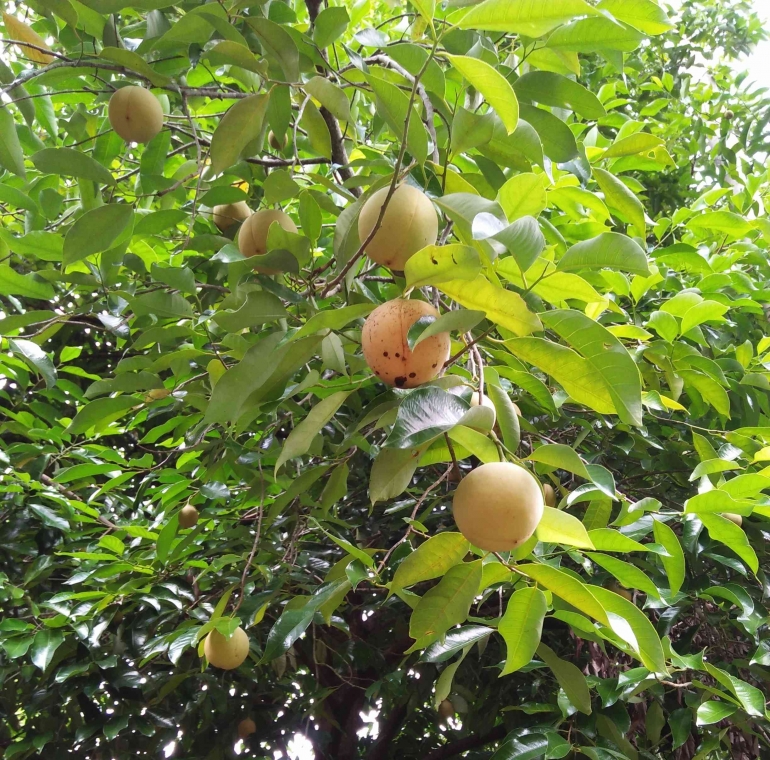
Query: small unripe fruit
(729,115)
(228,214)
(478,400)
(549,494)
(246,728)
(252,238)
(135,114)
(410,223)
(188,516)
(516,409)
(737,519)
(226,654)
(386,351)
(446,710)
(498,506)
(276,143)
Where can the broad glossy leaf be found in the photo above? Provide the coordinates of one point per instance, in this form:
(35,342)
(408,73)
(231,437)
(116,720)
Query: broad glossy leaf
(455,640)
(134,62)
(522,195)
(610,249)
(641,142)
(44,647)
(27,285)
(445,605)
(609,540)
(558,141)
(629,575)
(460,320)
(259,307)
(11,154)
(559,527)
(423,415)
(392,472)
(36,357)
(333,320)
(330,25)
(645,15)
(527,747)
(96,231)
(592,35)
(278,45)
(524,240)
(568,588)
(522,626)
(673,562)
(236,129)
(432,559)
(531,19)
(507,418)
(621,198)
(569,677)
(731,535)
(705,311)
(504,307)
(100,413)
(714,712)
(558,91)
(495,88)
(330,96)
(442,263)
(69,162)
(299,440)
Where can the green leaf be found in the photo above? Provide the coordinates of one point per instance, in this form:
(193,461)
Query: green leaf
(559,527)
(393,105)
(609,540)
(135,62)
(166,538)
(294,621)
(622,199)
(495,88)
(528,747)
(507,418)
(69,162)
(236,129)
(334,319)
(711,467)
(558,91)
(503,307)
(470,130)
(605,354)
(163,304)
(593,35)
(709,388)
(49,517)
(11,155)
(641,142)
(705,311)
(455,640)
(558,141)
(435,264)
(569,677)
(423,415)
(234,54)
(44,647)
(100,413)
(610,249)
(432,559)
(278,45)
(645,15)
(522,626)
(475,442)
(330,96)
(96,231)
(714,712)
(447,604)
(299,440)
(525,242)
(444,682)
(522,195)
(629,575)
(731,535)
(36,357)
(159,221)
(426,8)
(392,473)
(721,221)
(460,320)
(673,561)
(522,16)
(259,307)
(562,457)
(568,588)
(27,285)
(330,25)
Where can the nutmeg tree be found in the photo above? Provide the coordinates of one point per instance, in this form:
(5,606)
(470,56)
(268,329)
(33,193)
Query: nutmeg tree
(383,380)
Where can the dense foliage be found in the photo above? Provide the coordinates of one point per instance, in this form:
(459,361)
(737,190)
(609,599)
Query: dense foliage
(601,264)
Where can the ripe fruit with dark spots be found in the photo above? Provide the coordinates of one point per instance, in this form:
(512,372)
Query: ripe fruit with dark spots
(386,351)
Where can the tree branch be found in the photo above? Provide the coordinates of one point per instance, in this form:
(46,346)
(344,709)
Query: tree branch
(469,742)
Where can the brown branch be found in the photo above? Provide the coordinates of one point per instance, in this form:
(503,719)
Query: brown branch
(469,742)
(74,497)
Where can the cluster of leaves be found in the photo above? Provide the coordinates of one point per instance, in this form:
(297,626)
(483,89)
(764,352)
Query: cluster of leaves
(601,263)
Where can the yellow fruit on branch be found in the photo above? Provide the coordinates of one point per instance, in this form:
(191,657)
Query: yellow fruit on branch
(498,506)
(224,653)
(188,516)
(549,494)
(275,142)
(135,114)
(446,710)
(252,237)
(737,519)
(228,214)
(478,400)
(410,223)
(246,728)
(386,351)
